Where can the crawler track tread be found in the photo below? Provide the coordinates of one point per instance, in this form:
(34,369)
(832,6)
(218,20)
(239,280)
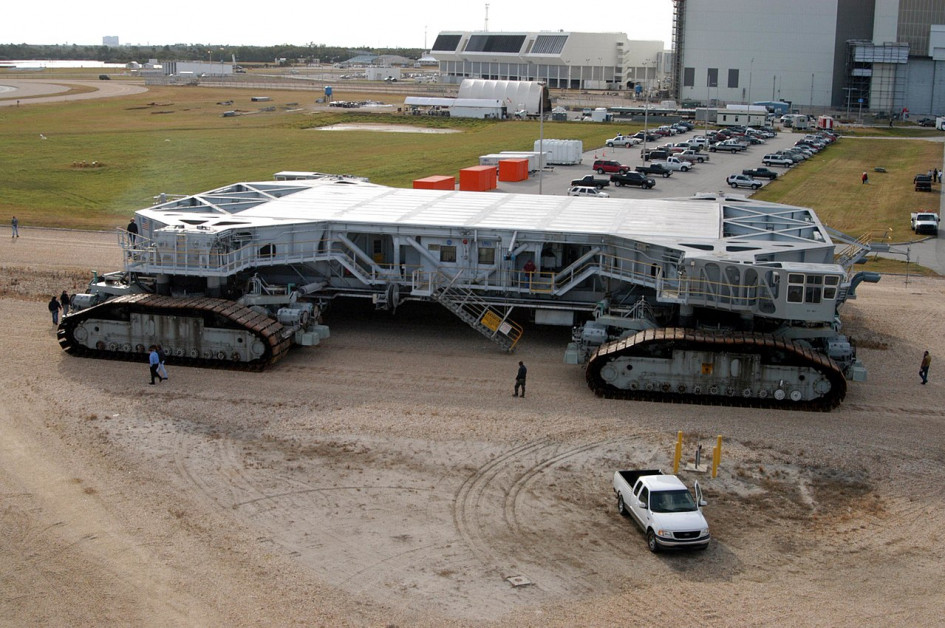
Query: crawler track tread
(275,337)
(792,353)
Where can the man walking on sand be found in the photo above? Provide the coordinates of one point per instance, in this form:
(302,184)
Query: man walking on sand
(155,363)
(15,224)
(520,379)
(924,368)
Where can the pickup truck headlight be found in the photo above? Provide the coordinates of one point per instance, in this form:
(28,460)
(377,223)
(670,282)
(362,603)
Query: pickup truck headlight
(662,533)
(704,532)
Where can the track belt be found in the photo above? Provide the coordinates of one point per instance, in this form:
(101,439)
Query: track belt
(275,337)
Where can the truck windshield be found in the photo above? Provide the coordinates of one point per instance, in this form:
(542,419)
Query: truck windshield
(672,501)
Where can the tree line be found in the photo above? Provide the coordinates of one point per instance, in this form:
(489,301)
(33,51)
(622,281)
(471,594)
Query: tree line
(197,52)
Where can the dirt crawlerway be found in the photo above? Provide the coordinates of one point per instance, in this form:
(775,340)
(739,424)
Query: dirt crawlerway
(389,477)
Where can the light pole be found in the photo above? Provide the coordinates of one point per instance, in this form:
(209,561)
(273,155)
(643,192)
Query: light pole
(541,132)
(811,106)
(751,67)
(646,107)
(600,62)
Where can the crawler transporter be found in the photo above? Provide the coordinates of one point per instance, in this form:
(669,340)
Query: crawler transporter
(709,299)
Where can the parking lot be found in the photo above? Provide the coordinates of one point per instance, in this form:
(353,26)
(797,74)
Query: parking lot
(705,177)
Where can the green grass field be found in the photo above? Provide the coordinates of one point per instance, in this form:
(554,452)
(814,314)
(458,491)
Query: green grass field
(830,183)
(175,140)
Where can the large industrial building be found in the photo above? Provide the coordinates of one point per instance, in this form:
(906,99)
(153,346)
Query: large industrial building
(871,56)
(861,55)
(604,61)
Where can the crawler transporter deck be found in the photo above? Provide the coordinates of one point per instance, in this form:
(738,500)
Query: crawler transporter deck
(714,298)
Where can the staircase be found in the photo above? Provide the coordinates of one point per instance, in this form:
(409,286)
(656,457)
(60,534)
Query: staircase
(480,316)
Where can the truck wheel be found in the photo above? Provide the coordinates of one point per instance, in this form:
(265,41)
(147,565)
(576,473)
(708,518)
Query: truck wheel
(610,144)
(621,508)
(755,187)
(734,185)
(618,183)
(651,541)
(665,175)
(600,171)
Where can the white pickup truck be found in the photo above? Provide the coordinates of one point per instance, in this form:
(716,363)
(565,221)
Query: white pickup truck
(675,163)
(663,508)
(622,140)
(925,222)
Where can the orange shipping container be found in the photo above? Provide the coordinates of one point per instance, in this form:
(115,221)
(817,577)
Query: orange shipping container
(513,170)
(436,182)
(477,179)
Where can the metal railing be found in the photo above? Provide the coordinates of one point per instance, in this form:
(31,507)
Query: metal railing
(180,256)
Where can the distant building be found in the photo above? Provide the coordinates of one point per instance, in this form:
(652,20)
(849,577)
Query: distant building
(561,59)
(197,68)
(110,40)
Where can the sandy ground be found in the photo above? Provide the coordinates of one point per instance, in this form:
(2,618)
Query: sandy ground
(388,477)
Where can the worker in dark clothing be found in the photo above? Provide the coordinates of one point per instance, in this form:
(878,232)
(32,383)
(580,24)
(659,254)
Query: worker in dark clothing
(132,231)
(520,380)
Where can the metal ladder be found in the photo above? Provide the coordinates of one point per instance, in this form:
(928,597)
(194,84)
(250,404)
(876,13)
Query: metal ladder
(480,315)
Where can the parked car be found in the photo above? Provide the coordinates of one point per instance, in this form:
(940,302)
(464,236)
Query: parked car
(925,121)
(922,182)
(693,156)
(743,181)
(727,145)
(609,165)
(657,168)
(667,513)
(655,153)
(622,140)
(590,180)
(632,178)
(760,173)
(582,190)
(776,159)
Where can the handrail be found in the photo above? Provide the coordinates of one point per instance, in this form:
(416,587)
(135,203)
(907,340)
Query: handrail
(183,258)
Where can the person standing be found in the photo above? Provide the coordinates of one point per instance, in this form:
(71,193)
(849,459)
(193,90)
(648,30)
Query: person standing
(865,178)
(162,370)
(132,231)
(529,269)
(924,368)
(154,361)
(520,379)
(15,224)
(64,302)
(54,308)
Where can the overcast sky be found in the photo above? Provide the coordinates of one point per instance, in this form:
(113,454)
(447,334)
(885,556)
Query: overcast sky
(354,24)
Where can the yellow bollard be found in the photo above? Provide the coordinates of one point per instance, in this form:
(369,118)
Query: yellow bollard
(717,456)
(678,454)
